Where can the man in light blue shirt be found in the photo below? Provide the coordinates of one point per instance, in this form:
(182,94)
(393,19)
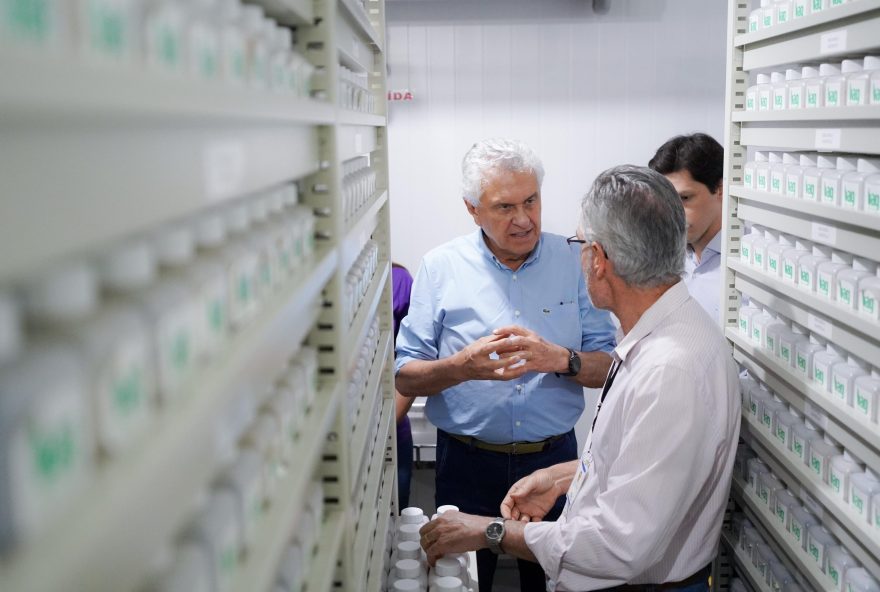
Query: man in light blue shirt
(694,165)
(501,336)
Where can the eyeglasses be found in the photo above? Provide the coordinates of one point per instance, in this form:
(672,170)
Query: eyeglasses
(574,240)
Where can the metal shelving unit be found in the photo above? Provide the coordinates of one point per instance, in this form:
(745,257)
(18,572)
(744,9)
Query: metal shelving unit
(850,30)
(133,150)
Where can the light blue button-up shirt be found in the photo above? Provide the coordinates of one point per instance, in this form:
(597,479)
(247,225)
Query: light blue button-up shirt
(703,279)
(461,293)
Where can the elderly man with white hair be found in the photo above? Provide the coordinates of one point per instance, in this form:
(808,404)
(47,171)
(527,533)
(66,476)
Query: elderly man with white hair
(645,501)
(501,336)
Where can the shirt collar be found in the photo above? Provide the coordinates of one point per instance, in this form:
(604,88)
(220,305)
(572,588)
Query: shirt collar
(483,248)
(670,301)
(714,246)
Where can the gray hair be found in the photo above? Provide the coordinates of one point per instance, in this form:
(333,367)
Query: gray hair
(492,155)
(636,215)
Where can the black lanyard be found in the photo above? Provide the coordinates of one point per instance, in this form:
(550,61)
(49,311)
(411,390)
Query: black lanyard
(609,380)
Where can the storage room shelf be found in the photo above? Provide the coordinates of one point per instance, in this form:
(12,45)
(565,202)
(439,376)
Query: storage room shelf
(854,321)
(51,89)
(359,18)
(836,136)
(105,184)
(854,431)
(775,536)
(355,139)
(288,12)
(91,548)
(853,531)
(744,564)
(826,114)
(829,37)
(377,549)
(831,16)
(260,570)
(322,570)
(361,325)
(860,220)
(360,228)
(854,240)
(790,305)
(365,427)
(348,117)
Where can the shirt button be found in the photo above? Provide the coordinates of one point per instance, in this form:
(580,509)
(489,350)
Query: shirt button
(514,276)
(519,387)
(519,423)
(516,313)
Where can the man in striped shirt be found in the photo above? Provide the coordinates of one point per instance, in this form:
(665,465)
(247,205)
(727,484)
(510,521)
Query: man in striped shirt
(645,502)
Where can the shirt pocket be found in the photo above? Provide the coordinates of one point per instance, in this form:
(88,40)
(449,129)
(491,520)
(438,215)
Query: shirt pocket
(559,322)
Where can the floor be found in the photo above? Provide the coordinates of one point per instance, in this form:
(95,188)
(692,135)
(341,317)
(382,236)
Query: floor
(422,496)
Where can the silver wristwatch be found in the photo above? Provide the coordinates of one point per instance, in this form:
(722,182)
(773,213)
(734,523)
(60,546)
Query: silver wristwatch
(494,535)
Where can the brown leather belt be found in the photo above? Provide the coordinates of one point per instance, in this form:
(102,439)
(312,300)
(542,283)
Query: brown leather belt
(701,576)
(512,448)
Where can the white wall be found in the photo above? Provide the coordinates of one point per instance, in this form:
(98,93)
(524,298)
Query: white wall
(586,91)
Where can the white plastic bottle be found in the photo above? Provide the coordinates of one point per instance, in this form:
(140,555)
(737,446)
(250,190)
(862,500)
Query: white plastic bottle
(245,480)
(804,435)
(776,182)
(801,8)
(128,272)
(808,266)
(783,424)
(785,502)
(759,249)
(839,471)
(281,60)
(107,30)
(858,81)
(869,293)
(859,580)
(757,469)
(848,282)
(764,92)
(853,184)
(867,394)
(256,50)
(790,164)
(839,561)
(114,346)
(746,313)
(203,39)
(784,10)
(410,569)
(746,250)
(768,14)
(818,542)
(794,173)
(773,335)
(45,431)
(800,521)
(814,88)
(790,259)
(774,254)
(262,243)
(779,94)
(757,397)
(794,87)
(828,272)
(207,275)
(804,353)
(822,363)
(768,411)
(243,271)
(755,22)
(164,25)
(863,488)
(813,178)
(215,528)
(835,81)
(788,344)
(832,181)
(843,377)
(821,453)
(232,46)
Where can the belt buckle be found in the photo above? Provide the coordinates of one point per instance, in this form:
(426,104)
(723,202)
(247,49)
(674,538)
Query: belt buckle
(513,448)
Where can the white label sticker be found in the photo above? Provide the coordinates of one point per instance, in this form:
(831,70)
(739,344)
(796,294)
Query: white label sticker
(224,169)
(833,42)
(816,415)
(823,233)
(811,504)
(828,139)
(820,326)
(358,143)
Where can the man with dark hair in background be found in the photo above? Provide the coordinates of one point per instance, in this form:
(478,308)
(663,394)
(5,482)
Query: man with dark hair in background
(694,164)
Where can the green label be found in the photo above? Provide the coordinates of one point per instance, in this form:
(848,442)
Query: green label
(855,94)
(819,375)
(127,391)
(780,513)
(762,181)
(759,258)
(52,451)
(773,263)
(810,190)
(817,5)
(764,102)
(802,364)
(791,188)
(169,47)
(832,97)
(771,343)
(780,433)
(744,251)
(835,483)
(107,28)
(816,463)
(814,551)
(777,184)
(796,530)
(30,19)
(840,388)
(244,289)
(835,577)
(764,494)
(861,402)
(180,351)
(875,93)
(868,303)
(799,448)
(215,315)
(799,11)
(778,101)
(748,179)
(828,192)
(795,99)
(788,270)
(812,98)
(756,334)
(782,16)
(785,352)
(873,200)
(824,287)
(753,408)
(753,26)
(844,294)
(768,21)
(857,502)
(767,419)
(805,277)
(849,197)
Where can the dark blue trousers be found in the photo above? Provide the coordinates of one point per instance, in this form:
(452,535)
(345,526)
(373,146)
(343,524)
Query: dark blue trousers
(477,480)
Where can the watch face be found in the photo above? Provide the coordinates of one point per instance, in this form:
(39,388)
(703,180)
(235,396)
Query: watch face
(495,530)
(574,363)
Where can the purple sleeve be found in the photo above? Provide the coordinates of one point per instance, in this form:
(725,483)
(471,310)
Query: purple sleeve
(401,286)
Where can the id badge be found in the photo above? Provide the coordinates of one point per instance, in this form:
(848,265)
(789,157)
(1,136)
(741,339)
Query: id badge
(583,471)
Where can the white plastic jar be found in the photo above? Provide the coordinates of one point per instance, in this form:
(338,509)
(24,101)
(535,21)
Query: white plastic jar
(233,56)
(818,541)
(202,38)
(113,344)
(128,272)
(841,468)
(867,394)
(827,274)
(164,25)
(821,453)
(863,488)
(216,529)
(805,352)
(804,436)
(843,377)
(46,445)
(800,521)
(243,271)
(839,561)
(869,294)
(858,91)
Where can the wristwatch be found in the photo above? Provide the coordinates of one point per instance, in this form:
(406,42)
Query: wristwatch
(574,364)
(495,534)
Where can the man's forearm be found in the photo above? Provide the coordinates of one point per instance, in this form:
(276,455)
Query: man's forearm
(425,378)
(594,369)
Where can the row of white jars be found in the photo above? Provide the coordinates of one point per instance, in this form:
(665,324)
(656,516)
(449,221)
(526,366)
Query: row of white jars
(108,341)
(834,468)
(850,282)
(407,565)
(218,40)
(850,83)
(841,376)
(358,185)
(778,12)
(257,445)
(762,557)
(806,534)
(846,182)
(354,91)
(360,374)
(359,278)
